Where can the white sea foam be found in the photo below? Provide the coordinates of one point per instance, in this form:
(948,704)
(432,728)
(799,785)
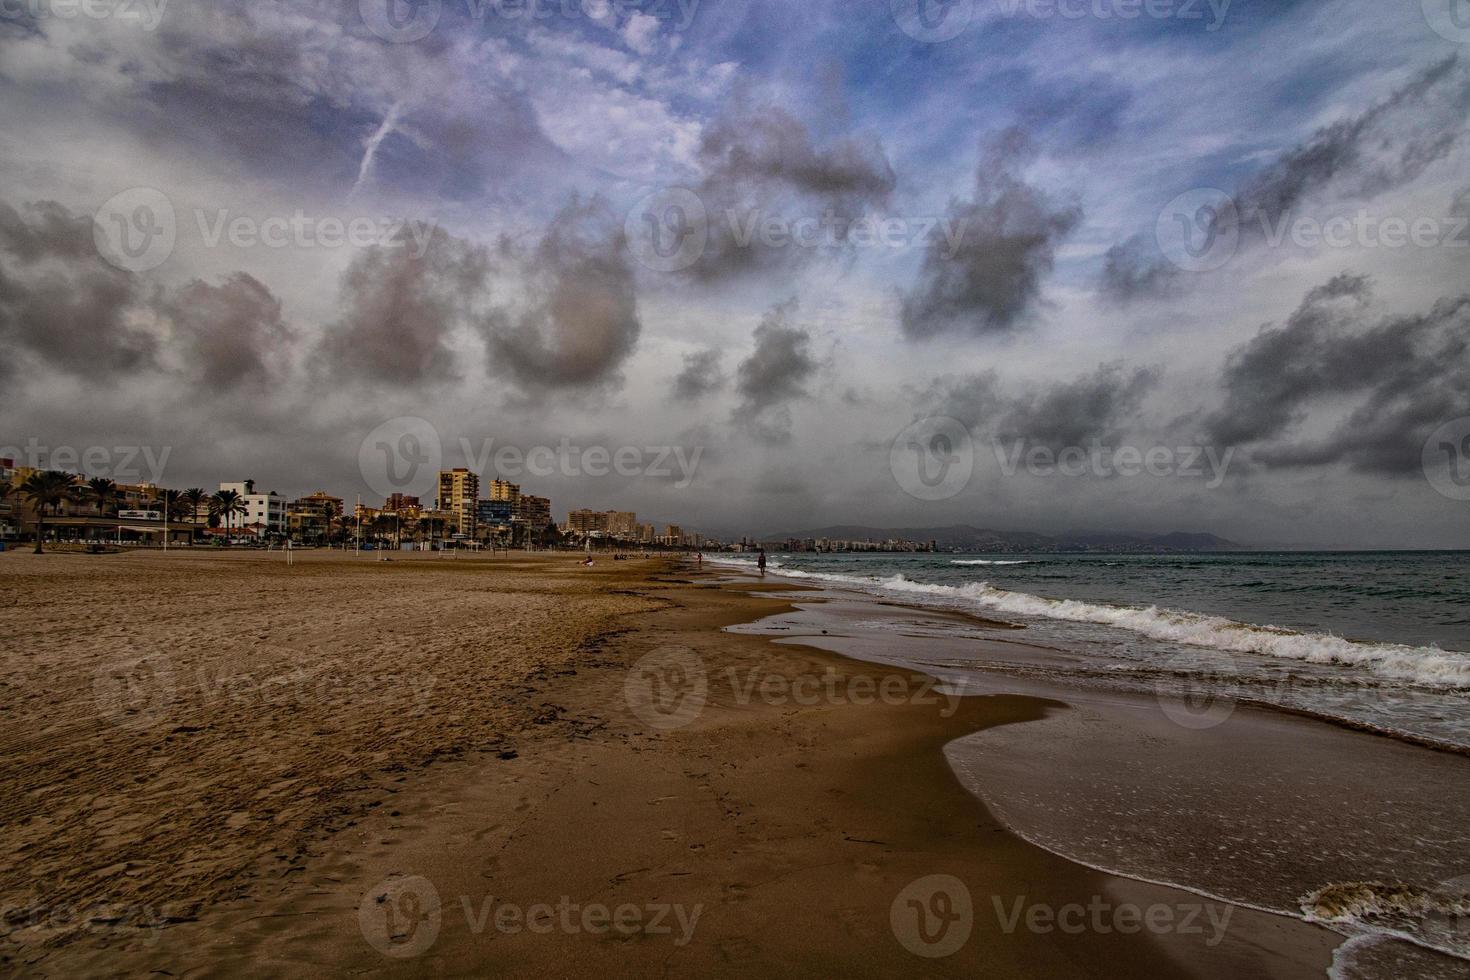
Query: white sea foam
(1427,666)
(989,561)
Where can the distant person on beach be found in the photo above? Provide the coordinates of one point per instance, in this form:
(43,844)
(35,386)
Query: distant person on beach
(761,561)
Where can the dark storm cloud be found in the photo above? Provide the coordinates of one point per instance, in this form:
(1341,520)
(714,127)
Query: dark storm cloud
(701,375)
(1011,230)
(1382,148)
(1407,374)
(774,374)
(762,163)
(400,310)
(62,302)
(231,335)
(1095,406)
(580,320)
(973,399)
(1134,269)
(1074,413)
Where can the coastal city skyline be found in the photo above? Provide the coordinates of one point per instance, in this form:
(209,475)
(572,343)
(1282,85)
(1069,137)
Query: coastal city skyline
(253,233)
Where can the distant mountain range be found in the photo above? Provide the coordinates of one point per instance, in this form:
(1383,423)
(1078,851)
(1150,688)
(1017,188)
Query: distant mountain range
(966,537)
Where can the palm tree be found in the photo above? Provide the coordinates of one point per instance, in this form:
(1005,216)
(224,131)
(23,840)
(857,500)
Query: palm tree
(193,499)
(47,488)
(330,514)
(227,504)
(102,492)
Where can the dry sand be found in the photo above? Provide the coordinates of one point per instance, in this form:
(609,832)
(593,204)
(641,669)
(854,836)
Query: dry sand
(293,825)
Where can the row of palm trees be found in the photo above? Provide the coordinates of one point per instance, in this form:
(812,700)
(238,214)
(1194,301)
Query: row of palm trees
(49,489)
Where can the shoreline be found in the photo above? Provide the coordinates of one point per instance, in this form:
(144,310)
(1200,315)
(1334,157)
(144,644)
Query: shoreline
(879,592)
(815,817)
(1391,766)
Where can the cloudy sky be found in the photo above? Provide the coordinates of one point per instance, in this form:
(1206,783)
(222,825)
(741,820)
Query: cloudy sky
(757,266)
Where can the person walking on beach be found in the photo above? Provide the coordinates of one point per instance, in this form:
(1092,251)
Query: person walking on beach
(761,561)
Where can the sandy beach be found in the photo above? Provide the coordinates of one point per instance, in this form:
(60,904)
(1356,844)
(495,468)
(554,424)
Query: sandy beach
(470,766)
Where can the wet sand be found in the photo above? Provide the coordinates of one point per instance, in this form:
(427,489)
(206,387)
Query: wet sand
(792,822)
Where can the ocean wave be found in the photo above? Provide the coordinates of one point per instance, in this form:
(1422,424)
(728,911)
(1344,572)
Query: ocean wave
(1426,666)
(989,561)
(1435,917)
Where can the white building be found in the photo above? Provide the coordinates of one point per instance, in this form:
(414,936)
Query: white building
(266,509)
